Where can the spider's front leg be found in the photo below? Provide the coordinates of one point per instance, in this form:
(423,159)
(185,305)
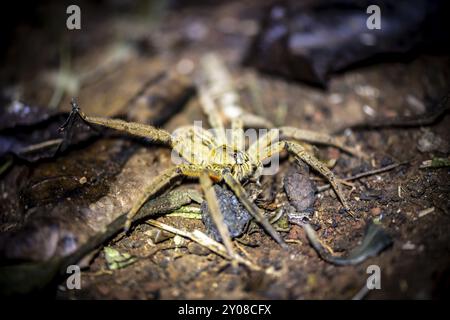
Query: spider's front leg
(298,151)
(214,209)
(206,180)
(132,128)
(240,192)
(158,184)
(318,138)
(309,136)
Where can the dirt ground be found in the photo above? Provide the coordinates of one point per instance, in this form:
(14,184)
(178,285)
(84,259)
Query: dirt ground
(115,168)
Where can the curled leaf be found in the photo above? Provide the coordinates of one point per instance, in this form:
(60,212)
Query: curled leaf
(375,241)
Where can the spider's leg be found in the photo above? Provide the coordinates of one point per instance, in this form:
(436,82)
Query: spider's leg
(194,144)
(210,109)
(132,128)
(159,183)
(221,87)
(251,120)
(237,134)
(214,209)
(240,192)
(298,151)
(319,138)
(257,150)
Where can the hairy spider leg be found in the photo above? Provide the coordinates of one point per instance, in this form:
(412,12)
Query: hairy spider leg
(240,192)
(214,209)
(132,128)
(237,134)
(210,109)
(164,180)
(222,90)
(298,151)
(317,138)
(257,150)
(194,144)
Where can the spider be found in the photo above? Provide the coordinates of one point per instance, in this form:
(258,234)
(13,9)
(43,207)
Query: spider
(212,157)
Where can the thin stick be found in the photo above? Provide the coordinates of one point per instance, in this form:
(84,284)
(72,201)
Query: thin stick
(207,242)
(41,145)
(364,174)
(427,118)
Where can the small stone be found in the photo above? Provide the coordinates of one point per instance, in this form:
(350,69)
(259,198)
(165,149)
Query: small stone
(370,194)
(299,188)
(409,246)
(429,142)
(179,241)
(82,180)
(195,248)
(235,216)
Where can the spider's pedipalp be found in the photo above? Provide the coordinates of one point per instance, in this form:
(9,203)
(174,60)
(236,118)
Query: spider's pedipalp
(240,192)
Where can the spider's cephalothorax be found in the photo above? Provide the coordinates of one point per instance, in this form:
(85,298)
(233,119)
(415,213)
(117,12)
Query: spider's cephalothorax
(203,148)
(236,161)
(212,158)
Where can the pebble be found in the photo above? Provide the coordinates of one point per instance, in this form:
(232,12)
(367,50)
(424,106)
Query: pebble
(409,246)
(195,248)
(429,142)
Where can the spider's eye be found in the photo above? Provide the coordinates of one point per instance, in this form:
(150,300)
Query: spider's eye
(238,157)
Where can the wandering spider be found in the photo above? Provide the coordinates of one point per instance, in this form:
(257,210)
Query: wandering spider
(216,158)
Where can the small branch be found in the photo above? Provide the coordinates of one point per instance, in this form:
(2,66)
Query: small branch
(41,145)
(364,174)
(427,118)
(207,242)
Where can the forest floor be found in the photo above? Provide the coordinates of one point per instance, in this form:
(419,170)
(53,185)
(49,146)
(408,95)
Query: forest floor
(100,177)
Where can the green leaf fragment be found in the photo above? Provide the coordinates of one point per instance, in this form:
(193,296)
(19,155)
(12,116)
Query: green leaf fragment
(117,260)
(436,163)
(187,212)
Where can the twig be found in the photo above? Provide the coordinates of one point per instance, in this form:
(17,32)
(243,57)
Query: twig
(41,145)
(423,213)
(424,119)
(364,174)
(207,242)
(361,293)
